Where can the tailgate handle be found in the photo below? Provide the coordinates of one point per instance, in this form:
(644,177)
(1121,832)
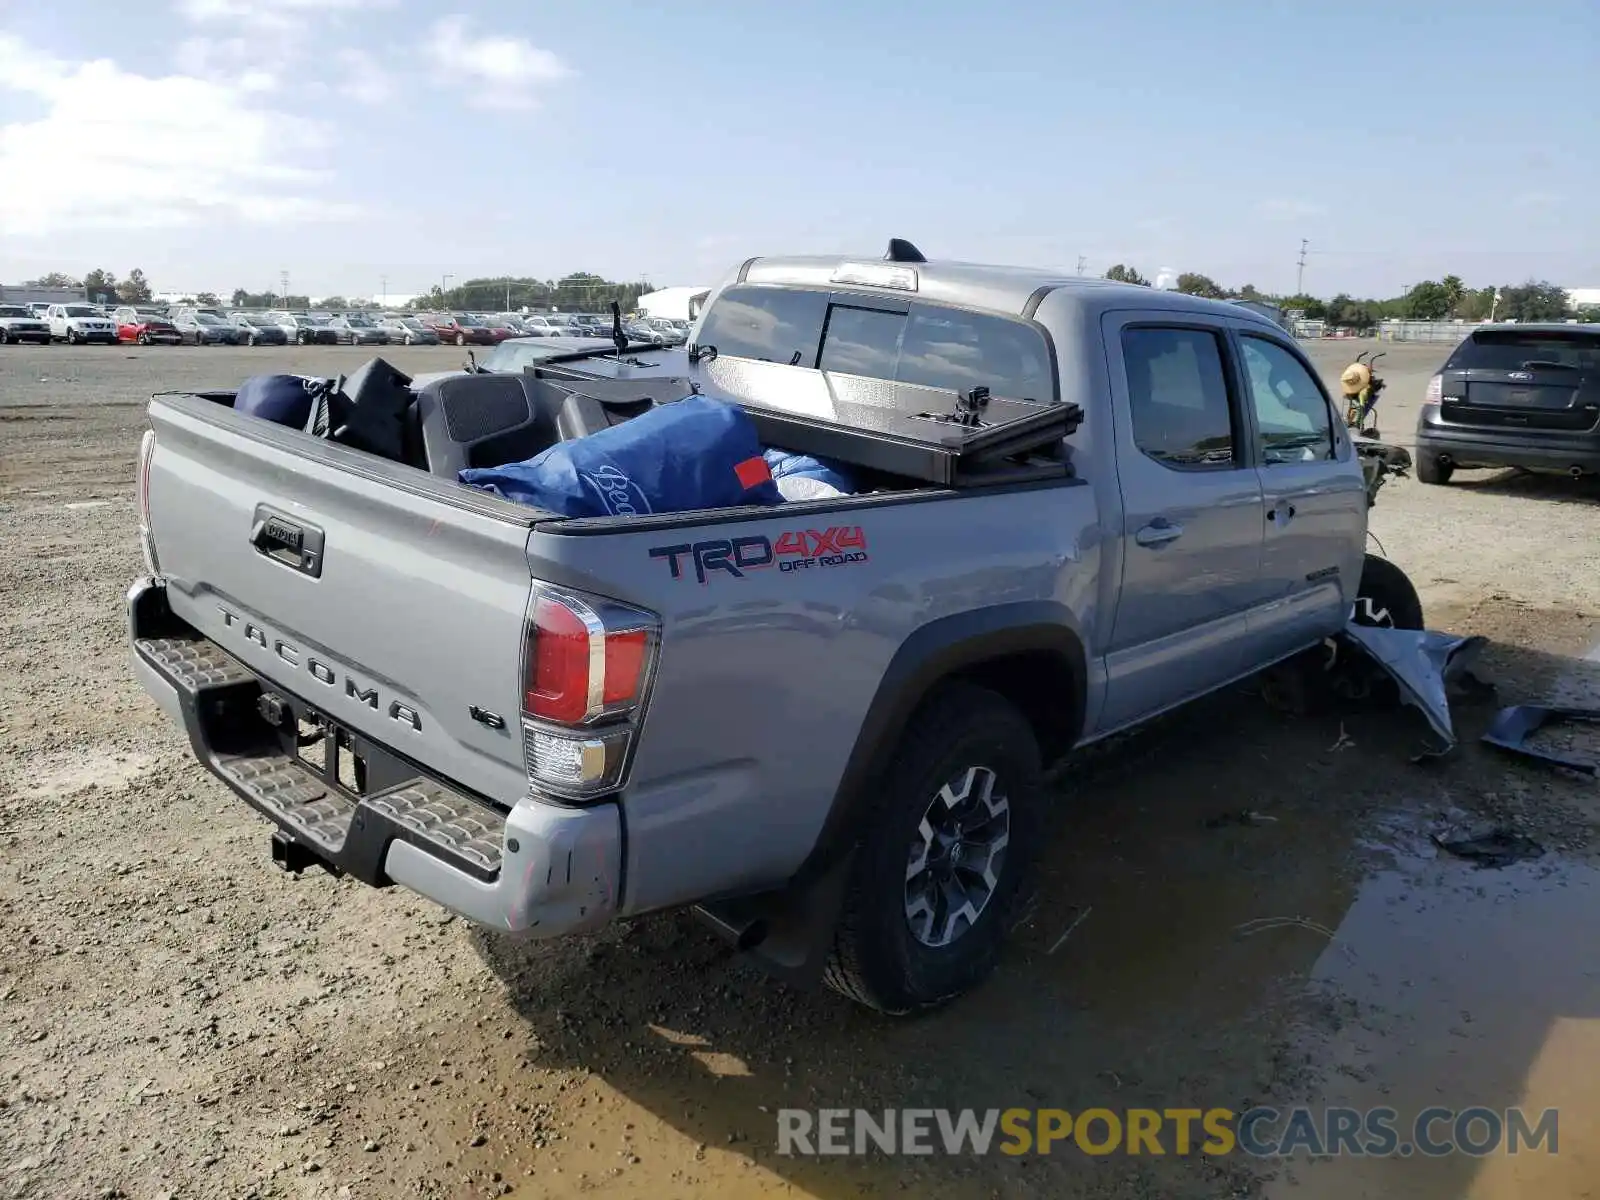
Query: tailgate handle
(284,540)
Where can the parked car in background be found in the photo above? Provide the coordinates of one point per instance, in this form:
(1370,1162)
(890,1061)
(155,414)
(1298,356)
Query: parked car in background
(77,323)
(459,329)
(40,309)
(539,326)
(19,324)
(358,329)
(1514,396)
(304,329)
(204,327)
(515,354)
(256,329)
(667,329)
(644,334)
(408,331)
(500,329)
(143,326)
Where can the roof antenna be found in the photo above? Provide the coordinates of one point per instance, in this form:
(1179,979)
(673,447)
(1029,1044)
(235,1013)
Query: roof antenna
(618,338)
(902,251)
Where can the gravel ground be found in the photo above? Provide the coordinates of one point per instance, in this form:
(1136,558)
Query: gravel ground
(179,1019)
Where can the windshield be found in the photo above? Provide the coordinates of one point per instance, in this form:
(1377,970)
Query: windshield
(207,319)
(1516,351)
(7,310)
(358,322)
(81,310)
(315,320)
(513,356)
(411,323)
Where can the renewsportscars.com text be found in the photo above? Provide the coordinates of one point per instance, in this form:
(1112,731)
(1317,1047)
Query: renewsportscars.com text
(1261,1132)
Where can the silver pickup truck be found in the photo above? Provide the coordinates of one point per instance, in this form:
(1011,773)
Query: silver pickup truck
(823,724)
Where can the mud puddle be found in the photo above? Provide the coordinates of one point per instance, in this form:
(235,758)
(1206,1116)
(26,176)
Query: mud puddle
(1455,987)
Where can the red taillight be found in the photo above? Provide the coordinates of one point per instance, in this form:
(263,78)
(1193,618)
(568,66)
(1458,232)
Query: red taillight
(1435,392)
(581,666)
(585,680)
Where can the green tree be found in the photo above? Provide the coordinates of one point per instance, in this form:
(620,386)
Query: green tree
(55,279)
(1308,306)
(1192,284)
(135,288)
(100,285)
(1455,291)
(338,303)
(1535,300)
(1121,273)
(208,299)
(1589,314)
(1250,292)
(1427,301)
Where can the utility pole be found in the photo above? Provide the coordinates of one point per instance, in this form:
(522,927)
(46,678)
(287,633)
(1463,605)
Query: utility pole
(283,278)
(1300,275)
(383,281)
(1082,263)
(508,295)
(444,286)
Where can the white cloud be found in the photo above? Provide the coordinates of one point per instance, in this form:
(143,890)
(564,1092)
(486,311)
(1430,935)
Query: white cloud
(364,80)
(118,149)
(498,71)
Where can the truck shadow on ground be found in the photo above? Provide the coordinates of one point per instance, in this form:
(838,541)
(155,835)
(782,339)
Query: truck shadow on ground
(1164,995)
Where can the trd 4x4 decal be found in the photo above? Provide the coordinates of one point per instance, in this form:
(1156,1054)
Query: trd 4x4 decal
(795,550)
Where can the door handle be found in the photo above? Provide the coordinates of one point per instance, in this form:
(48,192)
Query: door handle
(294,544)
(1159,533)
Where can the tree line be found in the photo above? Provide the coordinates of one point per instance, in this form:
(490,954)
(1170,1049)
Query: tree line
(1430,300)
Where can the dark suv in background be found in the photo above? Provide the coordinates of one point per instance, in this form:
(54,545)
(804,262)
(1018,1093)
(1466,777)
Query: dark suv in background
(1514,396)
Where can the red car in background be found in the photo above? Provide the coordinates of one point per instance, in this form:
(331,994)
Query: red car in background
(144,327)
(459,329)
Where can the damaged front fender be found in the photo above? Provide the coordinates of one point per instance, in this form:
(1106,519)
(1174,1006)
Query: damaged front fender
(1422,662)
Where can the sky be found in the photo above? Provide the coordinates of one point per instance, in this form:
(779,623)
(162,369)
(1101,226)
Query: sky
(371,146)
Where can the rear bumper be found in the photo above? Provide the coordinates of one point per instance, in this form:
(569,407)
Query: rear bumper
(543,869)
(1491,448)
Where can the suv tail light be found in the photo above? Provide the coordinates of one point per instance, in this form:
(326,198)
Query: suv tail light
(588,664)
(147,451)
(1435,392)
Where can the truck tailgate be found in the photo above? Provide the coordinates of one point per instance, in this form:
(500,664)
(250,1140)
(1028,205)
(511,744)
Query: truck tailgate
(392,606)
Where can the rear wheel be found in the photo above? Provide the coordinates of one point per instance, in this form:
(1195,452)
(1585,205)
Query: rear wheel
(461,339)
(72,337)
(943,856)
(1431,470)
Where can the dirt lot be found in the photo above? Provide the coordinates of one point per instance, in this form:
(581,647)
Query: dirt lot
(178,1018)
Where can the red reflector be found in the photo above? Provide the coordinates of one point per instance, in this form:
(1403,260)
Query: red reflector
(753,472)
(558,664)
(624,665)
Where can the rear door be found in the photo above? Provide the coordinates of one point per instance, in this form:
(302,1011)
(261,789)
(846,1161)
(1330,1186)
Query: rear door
(1192,512)
(1314,496)
(1513,379)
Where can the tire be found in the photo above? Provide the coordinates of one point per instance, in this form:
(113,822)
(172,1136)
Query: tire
(72,337)
(250,340)
(144,339)
(2,337)
(886,954)
(461,339)
(408,339)
(300,339)
(1386,597)
(1431,470)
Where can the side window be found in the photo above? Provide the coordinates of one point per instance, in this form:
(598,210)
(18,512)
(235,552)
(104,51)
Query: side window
(862,341)
(782,325)
(1178,397)
(948,348)
(1292,415)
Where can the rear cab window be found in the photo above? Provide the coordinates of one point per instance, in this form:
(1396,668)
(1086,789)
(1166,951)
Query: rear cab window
(1182,415)
(911,342)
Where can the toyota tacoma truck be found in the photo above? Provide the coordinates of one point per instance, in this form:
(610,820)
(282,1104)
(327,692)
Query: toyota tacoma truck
(823,725)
